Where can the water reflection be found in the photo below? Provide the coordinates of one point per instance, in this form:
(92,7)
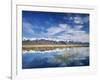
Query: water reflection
(64,57)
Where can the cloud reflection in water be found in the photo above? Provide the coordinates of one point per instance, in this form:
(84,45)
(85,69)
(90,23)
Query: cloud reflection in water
(66,57)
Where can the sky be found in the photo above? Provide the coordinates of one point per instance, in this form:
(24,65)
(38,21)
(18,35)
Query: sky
(55,26)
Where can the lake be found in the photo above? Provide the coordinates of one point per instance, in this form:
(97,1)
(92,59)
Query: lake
(59,57)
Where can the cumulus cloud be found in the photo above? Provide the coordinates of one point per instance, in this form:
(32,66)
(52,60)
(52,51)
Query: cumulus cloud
(69,33)
(65,31)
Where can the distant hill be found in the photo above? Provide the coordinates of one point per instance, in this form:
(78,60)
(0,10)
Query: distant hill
(51,42)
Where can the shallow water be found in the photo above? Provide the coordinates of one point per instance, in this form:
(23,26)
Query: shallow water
(64,57)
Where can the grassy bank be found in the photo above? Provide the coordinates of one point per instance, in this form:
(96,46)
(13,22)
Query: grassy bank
(49,47)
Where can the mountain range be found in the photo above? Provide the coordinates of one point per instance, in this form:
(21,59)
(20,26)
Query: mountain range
(51,42)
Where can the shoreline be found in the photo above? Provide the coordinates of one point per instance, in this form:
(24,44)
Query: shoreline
(48,47)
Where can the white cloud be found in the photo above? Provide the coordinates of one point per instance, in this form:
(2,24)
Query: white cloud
(75,35)
(79,26)
(81,20)
(78,20)
(81,37)
(67,33)
(54,30)
(27,28)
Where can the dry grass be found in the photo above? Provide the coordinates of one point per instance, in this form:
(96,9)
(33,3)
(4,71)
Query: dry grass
(48,47)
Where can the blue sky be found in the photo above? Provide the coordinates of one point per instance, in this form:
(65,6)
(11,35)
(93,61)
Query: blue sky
(55,26)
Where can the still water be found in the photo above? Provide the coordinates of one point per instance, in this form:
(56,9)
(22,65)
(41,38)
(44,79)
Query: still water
(64,57)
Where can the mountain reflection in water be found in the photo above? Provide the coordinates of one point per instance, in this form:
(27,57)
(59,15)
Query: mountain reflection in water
(64,57)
